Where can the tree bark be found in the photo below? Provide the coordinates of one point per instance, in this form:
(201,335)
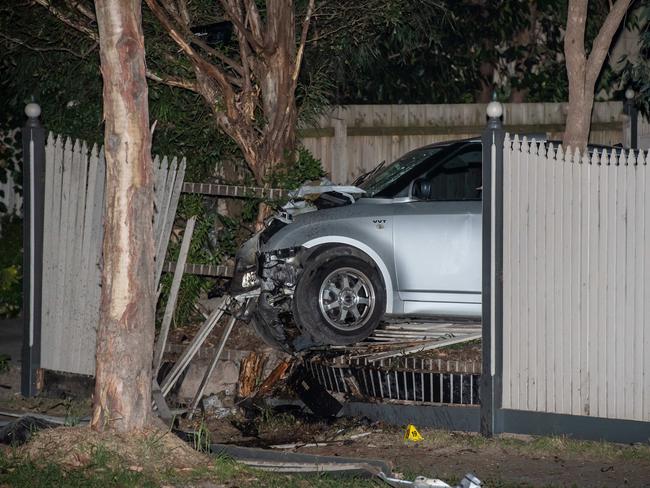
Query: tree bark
(583,71)
(122,399)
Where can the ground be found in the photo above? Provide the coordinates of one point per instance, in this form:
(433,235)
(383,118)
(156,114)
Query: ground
(77,457)
(504,461)
(500,462)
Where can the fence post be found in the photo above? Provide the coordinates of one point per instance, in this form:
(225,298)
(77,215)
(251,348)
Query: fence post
(631,111)
(340,164)
(492,139)
(33,190)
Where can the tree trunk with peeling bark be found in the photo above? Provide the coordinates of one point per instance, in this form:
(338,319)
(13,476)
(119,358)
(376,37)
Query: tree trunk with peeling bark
(583,71)
(122,399)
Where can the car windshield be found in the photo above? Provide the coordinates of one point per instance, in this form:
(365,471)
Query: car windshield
(387,175)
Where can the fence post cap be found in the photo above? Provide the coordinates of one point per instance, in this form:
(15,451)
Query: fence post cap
(494,109)
(33,110)
(629,94)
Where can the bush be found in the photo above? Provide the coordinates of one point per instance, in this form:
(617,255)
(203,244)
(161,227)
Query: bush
(11,258)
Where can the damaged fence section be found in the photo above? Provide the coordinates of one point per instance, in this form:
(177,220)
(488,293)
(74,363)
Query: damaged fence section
(404,380)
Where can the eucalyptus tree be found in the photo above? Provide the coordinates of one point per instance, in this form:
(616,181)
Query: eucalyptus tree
(583,70)
(125,333)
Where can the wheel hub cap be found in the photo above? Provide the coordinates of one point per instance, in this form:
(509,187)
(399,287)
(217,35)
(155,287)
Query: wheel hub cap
(346,299)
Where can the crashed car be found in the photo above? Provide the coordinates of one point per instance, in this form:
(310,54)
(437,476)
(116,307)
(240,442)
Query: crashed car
(404,240)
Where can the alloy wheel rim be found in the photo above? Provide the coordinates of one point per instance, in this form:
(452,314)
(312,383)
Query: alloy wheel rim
(346,299)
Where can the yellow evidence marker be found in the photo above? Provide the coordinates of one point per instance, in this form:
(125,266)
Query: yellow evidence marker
(412,434)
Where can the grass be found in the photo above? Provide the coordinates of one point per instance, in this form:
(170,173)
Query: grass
(4,363)
(101,471)
(541,446)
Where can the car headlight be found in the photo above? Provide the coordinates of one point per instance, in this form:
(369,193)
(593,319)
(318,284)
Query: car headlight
(249,279)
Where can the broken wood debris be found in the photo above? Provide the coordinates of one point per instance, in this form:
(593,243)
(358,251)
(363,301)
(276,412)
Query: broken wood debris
(393,339)
(278,374)
(250,370)
(173,295)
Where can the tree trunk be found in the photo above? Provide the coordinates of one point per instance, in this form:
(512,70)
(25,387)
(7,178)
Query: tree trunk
(122,399)
(583,72)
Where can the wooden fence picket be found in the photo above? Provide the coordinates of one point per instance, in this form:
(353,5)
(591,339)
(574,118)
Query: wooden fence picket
(73,236)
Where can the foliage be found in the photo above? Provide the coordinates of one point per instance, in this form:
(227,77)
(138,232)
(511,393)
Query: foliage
(4,363)
(432,52)
(217,237)
(11,255)
(635,74)
(291,175)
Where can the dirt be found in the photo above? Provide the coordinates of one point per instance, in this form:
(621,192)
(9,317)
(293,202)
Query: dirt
(504,461)
(242,337)
(450,456)
(152,449)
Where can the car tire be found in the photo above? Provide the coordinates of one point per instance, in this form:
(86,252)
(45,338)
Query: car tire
(340,296)
(266,323)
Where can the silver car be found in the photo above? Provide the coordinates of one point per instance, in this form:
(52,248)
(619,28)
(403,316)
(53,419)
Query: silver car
(327,272)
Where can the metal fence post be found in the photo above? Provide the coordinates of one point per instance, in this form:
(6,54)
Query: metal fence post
(490,388)
(631,111)
(33,190)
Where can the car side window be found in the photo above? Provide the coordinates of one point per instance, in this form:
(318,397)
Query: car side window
(458,178)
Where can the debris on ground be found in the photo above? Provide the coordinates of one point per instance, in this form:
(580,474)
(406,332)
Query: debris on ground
(19,431)
(291,462)
(469,481)
(313,394)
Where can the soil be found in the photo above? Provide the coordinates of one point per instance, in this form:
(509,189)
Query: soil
(496,462)
(503,461)
(151,450)
(242,337)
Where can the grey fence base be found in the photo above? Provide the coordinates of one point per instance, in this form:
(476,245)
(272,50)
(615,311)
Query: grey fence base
(461,418)
(574,426)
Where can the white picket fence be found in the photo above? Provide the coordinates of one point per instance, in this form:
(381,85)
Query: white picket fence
(576,281)
(72,242)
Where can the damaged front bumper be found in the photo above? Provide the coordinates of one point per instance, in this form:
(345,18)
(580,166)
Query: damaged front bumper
(272,273)
(268,279)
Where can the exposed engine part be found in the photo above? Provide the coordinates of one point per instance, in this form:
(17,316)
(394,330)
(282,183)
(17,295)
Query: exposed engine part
(278,272)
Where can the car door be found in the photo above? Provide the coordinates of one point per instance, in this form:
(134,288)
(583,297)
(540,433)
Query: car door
(438,240)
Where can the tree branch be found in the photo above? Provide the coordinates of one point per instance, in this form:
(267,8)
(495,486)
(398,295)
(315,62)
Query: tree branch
(182,20)
(604,38)
(172,81)
(254,19)
(20,42)
(85,11)
(303,40)
(256,44)
(68,21)
(208,68)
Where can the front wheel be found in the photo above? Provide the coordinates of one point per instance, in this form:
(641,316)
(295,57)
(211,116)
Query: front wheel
(340,296)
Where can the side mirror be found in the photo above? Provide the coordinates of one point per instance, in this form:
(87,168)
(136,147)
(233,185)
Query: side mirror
(421,189)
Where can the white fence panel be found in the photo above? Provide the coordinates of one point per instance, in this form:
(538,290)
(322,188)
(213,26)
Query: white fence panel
(72,245)
(576,289)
